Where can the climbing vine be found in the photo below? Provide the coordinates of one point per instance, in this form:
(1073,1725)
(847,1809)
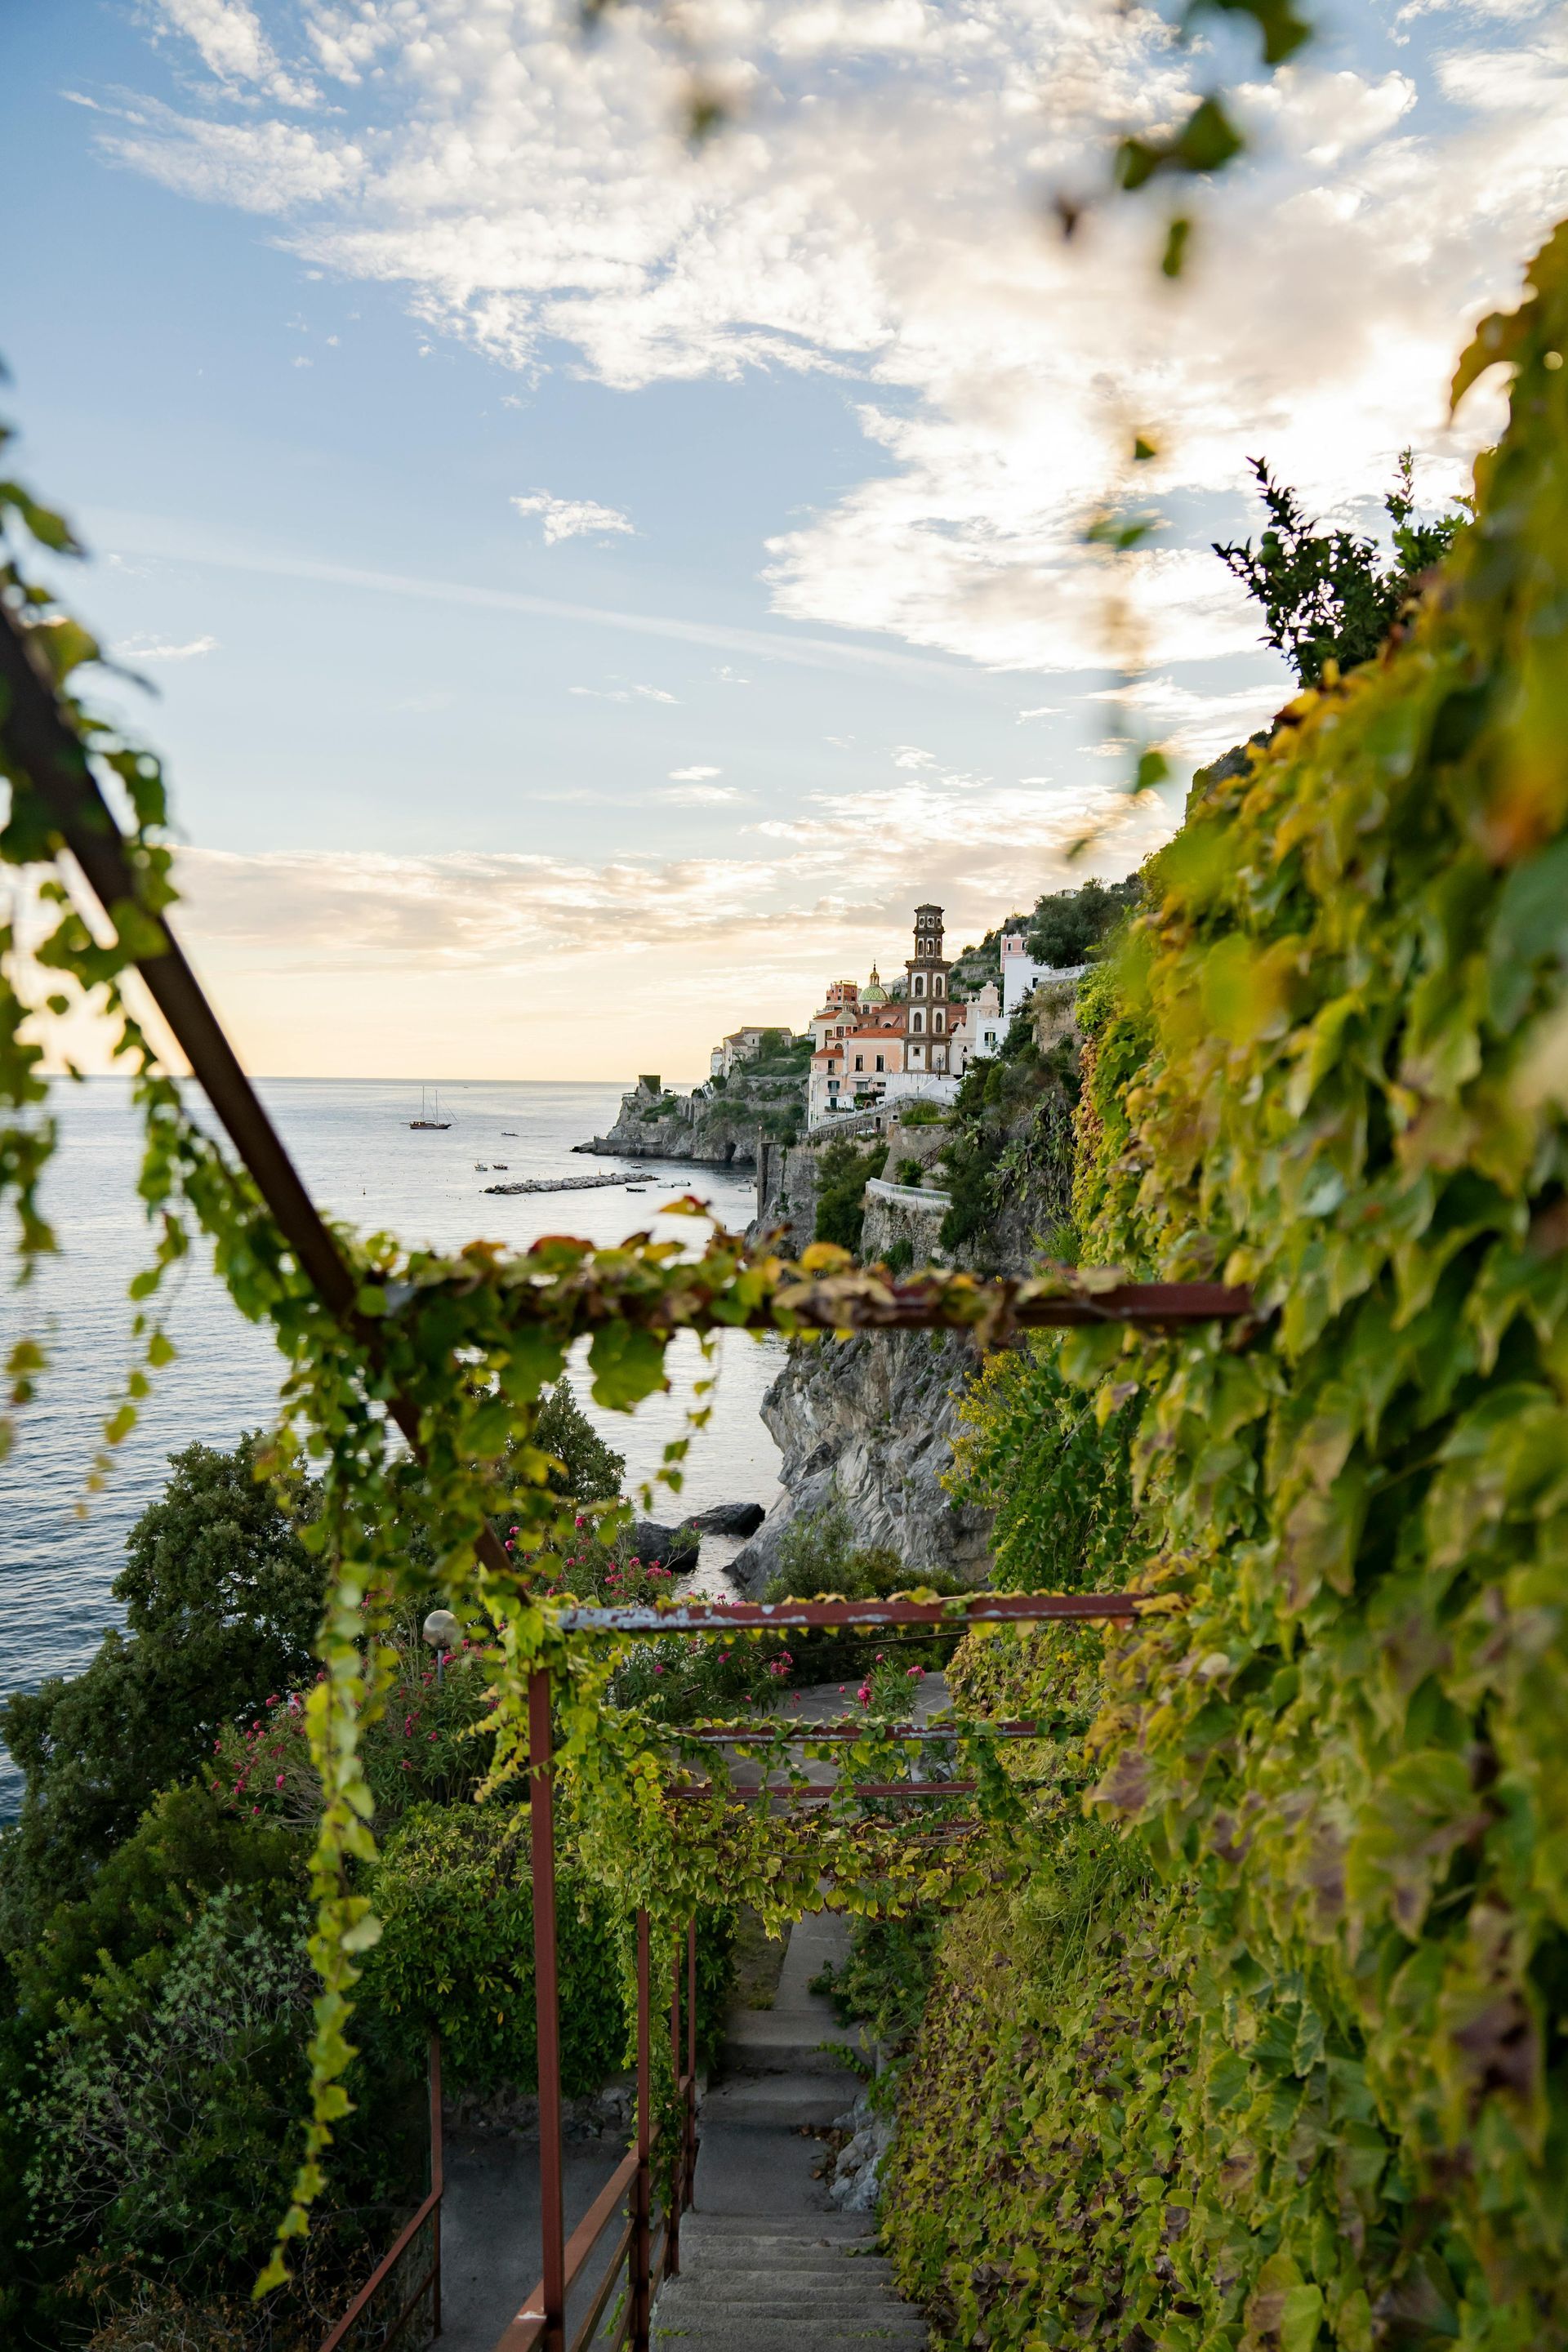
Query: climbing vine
(1336,1067)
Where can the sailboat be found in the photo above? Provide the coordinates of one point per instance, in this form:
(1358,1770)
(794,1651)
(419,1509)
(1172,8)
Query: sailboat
(430,1115)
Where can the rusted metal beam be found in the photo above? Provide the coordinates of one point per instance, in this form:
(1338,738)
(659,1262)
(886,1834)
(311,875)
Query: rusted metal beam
(688,2089)
(944,1616)
(919,1792)
(547,2007)
(797,1728)
(638,2282)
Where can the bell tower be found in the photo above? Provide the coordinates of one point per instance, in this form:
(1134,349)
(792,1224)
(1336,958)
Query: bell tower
(928,1011)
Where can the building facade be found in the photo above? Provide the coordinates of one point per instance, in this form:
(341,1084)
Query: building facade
(928,1007)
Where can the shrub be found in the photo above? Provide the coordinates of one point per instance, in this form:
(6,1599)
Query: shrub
(843,1169)
(455,1898)
(221,1604)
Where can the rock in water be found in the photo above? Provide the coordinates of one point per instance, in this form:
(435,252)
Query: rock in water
(730,1520)
(672,1547)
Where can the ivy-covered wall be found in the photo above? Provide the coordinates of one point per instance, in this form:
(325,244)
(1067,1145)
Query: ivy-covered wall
(1310,2088)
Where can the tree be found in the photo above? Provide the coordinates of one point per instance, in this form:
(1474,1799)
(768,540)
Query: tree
(843,1173)
(1069,924)
(1332,595)
(222,1602)
(592,1470)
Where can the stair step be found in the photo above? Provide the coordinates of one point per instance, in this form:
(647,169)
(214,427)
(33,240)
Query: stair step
(776,2290)
(801,2333)
(771,2256)
(778,2228)
(787,2099)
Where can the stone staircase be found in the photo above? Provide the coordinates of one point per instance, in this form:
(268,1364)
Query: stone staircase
(767,2263)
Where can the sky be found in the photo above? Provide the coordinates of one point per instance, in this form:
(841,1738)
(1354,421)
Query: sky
(587,589)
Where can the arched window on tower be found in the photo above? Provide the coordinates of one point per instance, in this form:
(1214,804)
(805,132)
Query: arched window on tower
(937,988)
(939,1019)
(916,1021)
(920,983)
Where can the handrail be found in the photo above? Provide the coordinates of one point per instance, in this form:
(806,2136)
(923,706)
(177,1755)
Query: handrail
(405,2236)
(645,2263)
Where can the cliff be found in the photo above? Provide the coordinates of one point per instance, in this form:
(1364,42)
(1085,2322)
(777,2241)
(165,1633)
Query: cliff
(712,1126)
(868,1422)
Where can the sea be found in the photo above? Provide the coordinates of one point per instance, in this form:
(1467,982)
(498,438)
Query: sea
(365,1164)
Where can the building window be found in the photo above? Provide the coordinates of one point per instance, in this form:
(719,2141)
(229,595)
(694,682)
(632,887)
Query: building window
(860,1061)
(920,983)
(939,1019)
(936,983)
(880,1062)
(833,1085)
(916,1021)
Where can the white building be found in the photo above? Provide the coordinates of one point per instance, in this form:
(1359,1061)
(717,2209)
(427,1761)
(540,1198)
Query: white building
(984,1025)
(1020,972)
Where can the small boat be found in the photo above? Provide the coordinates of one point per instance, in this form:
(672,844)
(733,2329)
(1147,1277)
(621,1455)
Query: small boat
(430,1113)
(501,1165)
(510,1131)
(481,1167)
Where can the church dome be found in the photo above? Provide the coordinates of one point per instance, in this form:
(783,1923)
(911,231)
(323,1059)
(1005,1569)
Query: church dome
(874,992)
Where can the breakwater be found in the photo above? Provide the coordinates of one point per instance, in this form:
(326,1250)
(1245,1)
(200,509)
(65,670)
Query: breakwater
(570,1184)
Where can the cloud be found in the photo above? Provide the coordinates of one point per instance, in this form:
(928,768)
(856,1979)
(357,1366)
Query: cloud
(1197,725)
(231,44)
(623,693)
(693,775)
(159,649)
(878,217)
(1042,711)
(700,795)
(571,518)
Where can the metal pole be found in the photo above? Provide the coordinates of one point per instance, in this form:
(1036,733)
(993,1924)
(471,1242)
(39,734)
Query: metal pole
(678,2168)
(639,2317)
(437,2182)
(547,2008)
(690,2116)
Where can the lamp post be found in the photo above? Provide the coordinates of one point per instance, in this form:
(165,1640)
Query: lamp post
(443,1632)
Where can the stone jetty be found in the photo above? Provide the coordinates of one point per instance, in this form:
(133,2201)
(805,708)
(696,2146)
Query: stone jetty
(570,1184)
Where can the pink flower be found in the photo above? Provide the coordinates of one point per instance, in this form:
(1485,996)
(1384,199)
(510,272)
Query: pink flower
(278,1782)
(864,1694)
(658,1670)
(914,1672)
(432,1735)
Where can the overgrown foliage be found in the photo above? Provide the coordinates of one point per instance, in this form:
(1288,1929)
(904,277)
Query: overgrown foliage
(1006,1162)
(1033,1450)
(1320,2096)
(843,1169)
(1333,596)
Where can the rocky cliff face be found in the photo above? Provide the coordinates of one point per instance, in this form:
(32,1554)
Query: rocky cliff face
(868,1422)
(714,1130)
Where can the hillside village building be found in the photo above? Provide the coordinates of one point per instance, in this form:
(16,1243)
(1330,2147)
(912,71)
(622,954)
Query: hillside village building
(743,1046)
(873,1045)
(872,1048)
